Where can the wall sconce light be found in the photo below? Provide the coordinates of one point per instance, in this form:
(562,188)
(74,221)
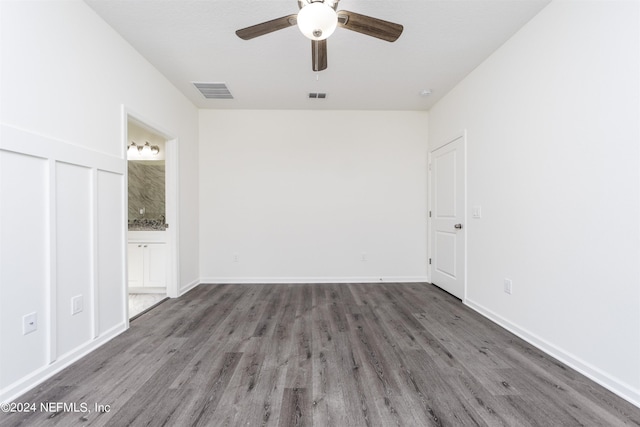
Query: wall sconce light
(143,150)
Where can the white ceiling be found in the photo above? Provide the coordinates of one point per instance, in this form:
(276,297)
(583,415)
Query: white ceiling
(194,41)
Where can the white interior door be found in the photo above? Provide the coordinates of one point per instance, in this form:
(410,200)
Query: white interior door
(447,263)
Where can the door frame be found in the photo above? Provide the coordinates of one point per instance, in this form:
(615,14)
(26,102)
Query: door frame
(461,134)
(171,193)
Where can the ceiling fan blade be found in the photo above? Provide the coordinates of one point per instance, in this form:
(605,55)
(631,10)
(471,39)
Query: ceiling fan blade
(319,54)
(373,27)
(267,27)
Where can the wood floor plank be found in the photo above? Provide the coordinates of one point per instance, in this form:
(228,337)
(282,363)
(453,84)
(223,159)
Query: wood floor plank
(327,355)
(359,401)
(328,385)
(295,411)
(300,361)
(359,404)
(425,338)
(441,405)
(253,393)
(490,407)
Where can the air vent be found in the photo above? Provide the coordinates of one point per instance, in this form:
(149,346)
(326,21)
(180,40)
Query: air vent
(214,90)
(316,95)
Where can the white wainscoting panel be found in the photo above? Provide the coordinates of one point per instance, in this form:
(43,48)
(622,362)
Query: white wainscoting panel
(63,228)
(111,301)
(74,255)
(24,258)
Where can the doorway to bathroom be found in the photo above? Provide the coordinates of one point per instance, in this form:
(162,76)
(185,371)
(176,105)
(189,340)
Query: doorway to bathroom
(151,212)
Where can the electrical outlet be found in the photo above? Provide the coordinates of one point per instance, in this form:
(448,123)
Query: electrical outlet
(364,257)
(77,304)
(236,258)
(29,323)
(507,286)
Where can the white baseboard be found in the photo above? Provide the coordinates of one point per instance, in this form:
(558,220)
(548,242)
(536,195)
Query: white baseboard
(183,290)
(23,385)
(275,280)
(612,384)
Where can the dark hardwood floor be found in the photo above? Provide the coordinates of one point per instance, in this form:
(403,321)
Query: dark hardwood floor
(323,355)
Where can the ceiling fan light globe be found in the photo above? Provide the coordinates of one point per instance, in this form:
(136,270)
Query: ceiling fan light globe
(317,21)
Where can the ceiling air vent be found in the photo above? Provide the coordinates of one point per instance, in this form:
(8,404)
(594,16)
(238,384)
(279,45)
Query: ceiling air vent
(214,90)
(316,95)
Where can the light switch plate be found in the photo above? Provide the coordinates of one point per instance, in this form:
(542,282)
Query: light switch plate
(477,212)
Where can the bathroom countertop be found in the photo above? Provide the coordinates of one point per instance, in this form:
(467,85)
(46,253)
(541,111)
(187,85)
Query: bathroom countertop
(147,225)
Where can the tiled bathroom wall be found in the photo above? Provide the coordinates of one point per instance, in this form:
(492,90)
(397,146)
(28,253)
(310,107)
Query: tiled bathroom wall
(146,191)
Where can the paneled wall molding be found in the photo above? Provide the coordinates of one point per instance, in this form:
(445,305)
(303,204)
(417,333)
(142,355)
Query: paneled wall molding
(26,142)
(63,223)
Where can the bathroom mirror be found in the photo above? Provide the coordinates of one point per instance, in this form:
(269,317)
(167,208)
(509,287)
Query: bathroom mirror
(146,195)
(146,175)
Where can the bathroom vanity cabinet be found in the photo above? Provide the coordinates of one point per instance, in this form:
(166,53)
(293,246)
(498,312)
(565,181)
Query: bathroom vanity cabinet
(147,259)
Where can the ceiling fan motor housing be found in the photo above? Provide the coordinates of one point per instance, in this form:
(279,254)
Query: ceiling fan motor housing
(331,3)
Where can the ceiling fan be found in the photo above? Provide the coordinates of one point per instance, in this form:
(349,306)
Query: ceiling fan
(317,19)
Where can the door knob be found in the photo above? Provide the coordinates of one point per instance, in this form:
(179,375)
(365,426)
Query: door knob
(458,226)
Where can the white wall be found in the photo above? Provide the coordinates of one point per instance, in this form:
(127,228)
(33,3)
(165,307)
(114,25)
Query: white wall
(66,79)
(553,159)
(300,196)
